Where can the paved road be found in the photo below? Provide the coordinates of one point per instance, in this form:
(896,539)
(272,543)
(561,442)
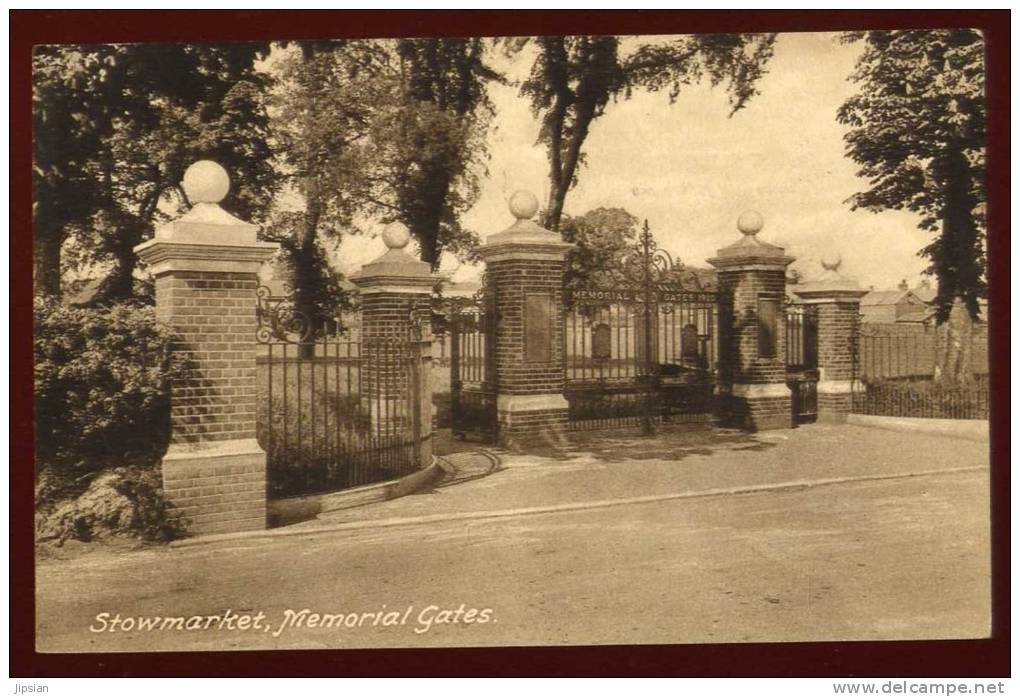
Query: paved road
(893,559)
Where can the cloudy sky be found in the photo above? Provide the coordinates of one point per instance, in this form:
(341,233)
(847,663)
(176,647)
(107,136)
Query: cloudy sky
(690,169)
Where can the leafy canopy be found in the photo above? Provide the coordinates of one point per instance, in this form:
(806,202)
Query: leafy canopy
(574,78)
(917,130)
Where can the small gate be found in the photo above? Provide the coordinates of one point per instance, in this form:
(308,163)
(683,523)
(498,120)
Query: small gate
(802,361)
(471,328)
(334,410)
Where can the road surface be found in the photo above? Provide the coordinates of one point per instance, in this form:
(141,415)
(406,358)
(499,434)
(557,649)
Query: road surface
(893,559)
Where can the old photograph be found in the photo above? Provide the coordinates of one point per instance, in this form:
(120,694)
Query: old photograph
(521,341)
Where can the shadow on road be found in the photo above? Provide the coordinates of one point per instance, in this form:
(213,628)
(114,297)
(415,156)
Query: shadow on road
(669,443)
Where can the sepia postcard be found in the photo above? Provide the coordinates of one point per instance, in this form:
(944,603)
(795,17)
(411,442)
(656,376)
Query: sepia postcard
(544,340)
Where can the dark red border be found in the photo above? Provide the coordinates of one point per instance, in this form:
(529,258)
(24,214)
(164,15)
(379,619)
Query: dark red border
(876,659)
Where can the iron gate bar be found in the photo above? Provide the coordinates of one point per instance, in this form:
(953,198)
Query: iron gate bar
(309,449)
(649,286)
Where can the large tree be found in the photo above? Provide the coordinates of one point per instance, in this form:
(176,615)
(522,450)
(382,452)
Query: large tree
(917,130)
(431,140)
(574,78)
(117,124)
(323,104)
(67,122)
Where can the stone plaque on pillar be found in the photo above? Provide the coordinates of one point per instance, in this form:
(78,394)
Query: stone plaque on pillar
(538,324)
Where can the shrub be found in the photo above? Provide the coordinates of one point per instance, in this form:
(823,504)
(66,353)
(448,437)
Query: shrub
(925,399)
(102,378)
(122,501)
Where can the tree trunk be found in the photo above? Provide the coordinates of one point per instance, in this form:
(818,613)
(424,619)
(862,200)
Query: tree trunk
(46,263)
(306,280)
(957,335)
(561,184)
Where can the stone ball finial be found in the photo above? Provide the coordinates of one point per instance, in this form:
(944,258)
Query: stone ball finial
(396,235)
(832,262)
(206,181)
(750,222)
(523,205)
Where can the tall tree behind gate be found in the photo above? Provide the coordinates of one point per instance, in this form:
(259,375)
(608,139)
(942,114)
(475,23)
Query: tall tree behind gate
(917,130)
(574,78)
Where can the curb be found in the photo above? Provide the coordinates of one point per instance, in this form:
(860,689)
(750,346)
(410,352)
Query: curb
(558,508)
(976,430)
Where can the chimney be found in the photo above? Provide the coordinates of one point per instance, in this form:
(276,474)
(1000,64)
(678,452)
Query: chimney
(903,285)
(925,283)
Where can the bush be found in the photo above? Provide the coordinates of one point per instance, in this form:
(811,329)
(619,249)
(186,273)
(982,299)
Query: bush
(122,501)
(102,379)
(924,399)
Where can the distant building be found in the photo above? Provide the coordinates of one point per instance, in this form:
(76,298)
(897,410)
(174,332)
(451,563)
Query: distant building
(889,306)
(905,305)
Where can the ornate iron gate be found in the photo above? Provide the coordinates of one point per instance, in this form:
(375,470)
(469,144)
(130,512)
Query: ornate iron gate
(472,367)
(641,344)
(802,361)
(334,410)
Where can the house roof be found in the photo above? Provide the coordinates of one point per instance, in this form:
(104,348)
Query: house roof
(886,297)
(925,295)
(918,316)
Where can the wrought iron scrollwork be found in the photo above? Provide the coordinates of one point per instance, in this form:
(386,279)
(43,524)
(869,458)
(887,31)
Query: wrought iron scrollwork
(278,320)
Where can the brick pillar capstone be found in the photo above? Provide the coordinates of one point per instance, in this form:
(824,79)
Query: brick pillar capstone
(394,289)
(525,265)
(205,265)
(752,361)
(838,302)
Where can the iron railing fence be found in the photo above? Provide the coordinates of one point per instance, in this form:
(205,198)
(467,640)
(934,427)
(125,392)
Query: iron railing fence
(333,413)
(895,368)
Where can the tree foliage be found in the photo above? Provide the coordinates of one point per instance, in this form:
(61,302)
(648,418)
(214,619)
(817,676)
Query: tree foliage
(115,126)
(917,130)
(323,106)
(574,78)
(102,386)
(603,237)
(430,137)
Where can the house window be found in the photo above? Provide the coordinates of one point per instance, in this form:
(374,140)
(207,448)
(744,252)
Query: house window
(768,326)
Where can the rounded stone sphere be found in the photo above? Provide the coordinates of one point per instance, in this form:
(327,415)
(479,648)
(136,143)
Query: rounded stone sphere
(523,205)
(750,222)
(831,262)
(396,235)
(206,181)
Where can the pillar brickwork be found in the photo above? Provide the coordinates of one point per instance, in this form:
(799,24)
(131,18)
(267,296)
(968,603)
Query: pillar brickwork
(205,265)
(751,280)
(837,300)
(395,291)
(525,265)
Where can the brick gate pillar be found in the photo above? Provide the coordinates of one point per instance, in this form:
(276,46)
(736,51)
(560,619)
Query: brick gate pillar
(838,302)
(525,265)
(392,288)
(752,354)
(205,266)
